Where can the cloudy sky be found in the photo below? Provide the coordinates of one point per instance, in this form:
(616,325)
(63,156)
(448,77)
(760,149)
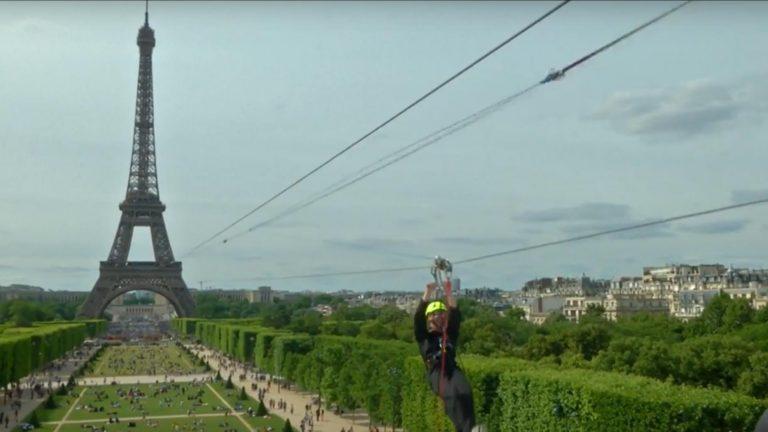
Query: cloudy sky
(249,96)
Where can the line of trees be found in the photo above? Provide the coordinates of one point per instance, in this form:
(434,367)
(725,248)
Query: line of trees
(24,350)
(22,313)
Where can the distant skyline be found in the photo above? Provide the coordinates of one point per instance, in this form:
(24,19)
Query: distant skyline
(249,96)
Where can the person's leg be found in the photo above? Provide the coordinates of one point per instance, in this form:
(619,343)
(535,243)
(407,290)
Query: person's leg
(462,409)
(762,424)
(457,398)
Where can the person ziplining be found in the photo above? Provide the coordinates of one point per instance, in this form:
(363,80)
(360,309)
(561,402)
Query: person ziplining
(436,329)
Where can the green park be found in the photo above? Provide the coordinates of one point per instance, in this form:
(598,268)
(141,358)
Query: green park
(198,405)
(644,372)
(569,143)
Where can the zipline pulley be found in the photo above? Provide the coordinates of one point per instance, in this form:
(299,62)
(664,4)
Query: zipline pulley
(554,75)
(441,270)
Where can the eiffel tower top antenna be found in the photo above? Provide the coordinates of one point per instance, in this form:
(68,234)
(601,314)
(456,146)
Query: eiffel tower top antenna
(146,13)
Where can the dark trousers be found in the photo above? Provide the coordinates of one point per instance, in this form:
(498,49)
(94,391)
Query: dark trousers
(762,424)
(457,397)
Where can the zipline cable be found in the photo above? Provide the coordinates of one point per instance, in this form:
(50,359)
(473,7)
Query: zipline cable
(532,247)
(372,168)
(449,130)
(386,122)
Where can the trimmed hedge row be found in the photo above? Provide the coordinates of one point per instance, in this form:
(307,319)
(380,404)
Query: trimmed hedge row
(351,372)
(326,364)
(424,411)
(184,326)
(387,378)
(246,343)
(27,349)
(516,395)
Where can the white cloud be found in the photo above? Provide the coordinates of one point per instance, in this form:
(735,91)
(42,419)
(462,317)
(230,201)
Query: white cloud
(583,212)
(688,109)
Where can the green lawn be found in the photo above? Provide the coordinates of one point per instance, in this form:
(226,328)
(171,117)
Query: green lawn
(123,360)
(200,424)
(98,402)
(125,401)
(232,396)
(63,403)
(154,400)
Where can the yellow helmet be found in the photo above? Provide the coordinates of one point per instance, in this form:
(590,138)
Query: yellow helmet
(435,306)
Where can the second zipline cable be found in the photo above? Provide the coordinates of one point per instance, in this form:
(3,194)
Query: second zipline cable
(449,130)
(386,122)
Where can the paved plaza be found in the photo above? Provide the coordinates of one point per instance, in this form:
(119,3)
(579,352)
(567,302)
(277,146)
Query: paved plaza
(298,400)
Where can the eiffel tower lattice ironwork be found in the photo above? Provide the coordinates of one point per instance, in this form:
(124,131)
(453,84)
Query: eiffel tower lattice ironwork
(141,207)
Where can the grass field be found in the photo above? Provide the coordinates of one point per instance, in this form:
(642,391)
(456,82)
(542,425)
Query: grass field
(232,397)
(90,406)
(161,407)
(125,360)
(199,424)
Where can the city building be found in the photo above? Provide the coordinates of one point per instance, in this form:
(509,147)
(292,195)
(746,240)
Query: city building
(263,294)
(37,294)
(690,304)
(625,305)
(159,309)
(576,307)
(583,286)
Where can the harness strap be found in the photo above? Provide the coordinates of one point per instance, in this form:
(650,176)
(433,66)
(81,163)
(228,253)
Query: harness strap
(443,267)
(444,345)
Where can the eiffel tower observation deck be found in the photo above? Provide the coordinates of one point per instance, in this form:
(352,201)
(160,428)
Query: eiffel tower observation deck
(141,207)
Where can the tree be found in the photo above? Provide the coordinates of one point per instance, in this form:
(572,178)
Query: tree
(654,360)
(713,360)
(50,403)
(340,328)
(229,384)
(376,330)
(358,313)
(555,319)
(33,420)
(243,395)
(306,321)
(647,325)
(277,315)
(261,410)
(754,380)
(620,355)
(761,315)
(287,426)
(593,314)
(737,313)
(540,346)
(398,320)
(589,339)
(208,305)
(711,318)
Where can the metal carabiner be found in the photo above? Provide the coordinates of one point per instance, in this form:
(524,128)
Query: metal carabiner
(441,270)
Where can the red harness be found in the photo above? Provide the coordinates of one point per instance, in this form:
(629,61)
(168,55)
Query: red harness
(444,345)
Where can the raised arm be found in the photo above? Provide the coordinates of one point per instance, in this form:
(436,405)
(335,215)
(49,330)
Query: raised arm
(419,320)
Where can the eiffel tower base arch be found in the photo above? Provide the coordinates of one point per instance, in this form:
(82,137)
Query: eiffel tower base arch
(115,279)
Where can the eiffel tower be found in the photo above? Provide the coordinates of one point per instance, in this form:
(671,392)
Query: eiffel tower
(141,207)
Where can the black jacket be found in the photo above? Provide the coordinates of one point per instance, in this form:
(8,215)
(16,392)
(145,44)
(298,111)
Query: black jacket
(430,343)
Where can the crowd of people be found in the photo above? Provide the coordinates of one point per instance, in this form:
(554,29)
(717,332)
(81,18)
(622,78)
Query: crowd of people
(161,359)
(267,387)
(39,385)
(136,400)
